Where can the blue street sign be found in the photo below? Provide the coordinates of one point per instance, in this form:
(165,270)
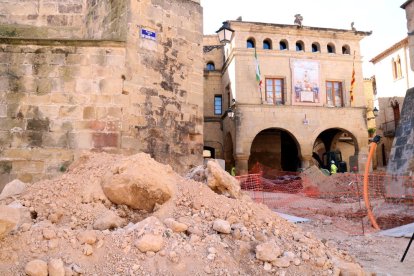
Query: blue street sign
(148,34)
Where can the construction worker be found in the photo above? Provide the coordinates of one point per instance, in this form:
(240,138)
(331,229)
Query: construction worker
(233,171)
(334,168)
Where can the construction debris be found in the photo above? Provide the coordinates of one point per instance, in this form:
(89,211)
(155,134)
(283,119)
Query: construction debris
(189,230)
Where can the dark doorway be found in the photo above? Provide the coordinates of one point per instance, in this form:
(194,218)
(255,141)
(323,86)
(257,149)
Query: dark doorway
(274,149)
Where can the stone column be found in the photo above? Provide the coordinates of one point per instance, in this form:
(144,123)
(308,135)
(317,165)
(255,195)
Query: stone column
(306,161)
(242,164)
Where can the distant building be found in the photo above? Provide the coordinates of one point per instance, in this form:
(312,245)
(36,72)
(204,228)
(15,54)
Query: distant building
(303,108)
(393,77)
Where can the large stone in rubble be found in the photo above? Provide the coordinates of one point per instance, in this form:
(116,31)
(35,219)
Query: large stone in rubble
(221,182)
(140,183)
(268,252)
(9,218)
(36,268)
(347,268)
(13,188)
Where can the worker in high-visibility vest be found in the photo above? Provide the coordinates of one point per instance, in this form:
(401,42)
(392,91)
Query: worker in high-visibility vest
(334,168)
(233,171)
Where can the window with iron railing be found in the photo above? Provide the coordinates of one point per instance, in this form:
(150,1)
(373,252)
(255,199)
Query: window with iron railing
(388,128)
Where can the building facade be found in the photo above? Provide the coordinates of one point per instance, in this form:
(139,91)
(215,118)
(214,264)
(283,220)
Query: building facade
(393,77)
(119,76)
(303,108)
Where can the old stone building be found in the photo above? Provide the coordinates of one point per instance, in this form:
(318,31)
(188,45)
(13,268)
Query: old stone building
(303,108)
(120,76)
(393,77)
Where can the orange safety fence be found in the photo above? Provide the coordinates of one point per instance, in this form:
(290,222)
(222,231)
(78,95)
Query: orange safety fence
(338,198)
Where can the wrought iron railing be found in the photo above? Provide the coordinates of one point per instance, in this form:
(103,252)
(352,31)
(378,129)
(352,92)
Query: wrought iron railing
(389,128)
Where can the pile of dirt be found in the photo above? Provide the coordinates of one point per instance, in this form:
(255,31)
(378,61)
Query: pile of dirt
(162,224)
(331,186)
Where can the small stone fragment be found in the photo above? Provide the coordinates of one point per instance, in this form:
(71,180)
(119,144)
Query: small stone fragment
(150,242)
(222,226)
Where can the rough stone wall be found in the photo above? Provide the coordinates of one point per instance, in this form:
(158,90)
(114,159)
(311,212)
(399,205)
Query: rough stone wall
(106,19)
(42,18)
(164,79)
(81,19)
(402,152)
(59,97)
(55,102)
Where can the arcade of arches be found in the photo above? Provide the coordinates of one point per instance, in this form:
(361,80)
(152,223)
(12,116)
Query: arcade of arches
(280,150)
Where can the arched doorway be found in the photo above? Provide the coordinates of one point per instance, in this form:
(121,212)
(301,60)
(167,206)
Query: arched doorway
(276,149)
(336,140)
(228,153)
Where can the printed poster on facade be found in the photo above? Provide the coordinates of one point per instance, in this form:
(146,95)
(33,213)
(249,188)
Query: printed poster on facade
(305,82)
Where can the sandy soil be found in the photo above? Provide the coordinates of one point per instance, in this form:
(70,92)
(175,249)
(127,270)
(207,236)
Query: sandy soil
(379,255)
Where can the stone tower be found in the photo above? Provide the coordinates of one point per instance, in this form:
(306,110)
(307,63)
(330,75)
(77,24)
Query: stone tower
(119,76)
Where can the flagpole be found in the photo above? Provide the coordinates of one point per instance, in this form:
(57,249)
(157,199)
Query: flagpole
(261,96)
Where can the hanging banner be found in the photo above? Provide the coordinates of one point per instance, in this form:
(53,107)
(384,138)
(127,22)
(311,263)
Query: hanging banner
(305,81)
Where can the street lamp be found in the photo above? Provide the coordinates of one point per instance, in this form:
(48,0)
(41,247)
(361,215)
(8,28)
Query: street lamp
(225,33)
(375,111)
(230,113)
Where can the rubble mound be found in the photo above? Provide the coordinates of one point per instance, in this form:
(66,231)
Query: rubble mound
(71,226)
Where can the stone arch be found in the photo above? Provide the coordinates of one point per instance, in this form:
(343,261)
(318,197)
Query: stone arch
(283,45)
(336,139)
(300,46)
(250,42)
(330,48)
(267,44)
(275,148)
(316,47)
(346,50)
(210,66)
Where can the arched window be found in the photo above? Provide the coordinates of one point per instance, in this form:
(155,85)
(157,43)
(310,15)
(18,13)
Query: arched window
(250,43)
(210,66)
(330,48)
(394,68)
(299,46)
(398,64)
(346,50)
(267,44)
(316,47)
(283,45)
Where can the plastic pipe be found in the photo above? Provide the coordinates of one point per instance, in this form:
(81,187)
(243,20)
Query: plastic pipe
(366,197)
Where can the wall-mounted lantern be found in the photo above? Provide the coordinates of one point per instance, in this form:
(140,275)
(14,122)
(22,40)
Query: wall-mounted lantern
(230,113)
(375,111)
(225,33)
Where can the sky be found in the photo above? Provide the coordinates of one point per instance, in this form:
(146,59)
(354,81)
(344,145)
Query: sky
(384,18)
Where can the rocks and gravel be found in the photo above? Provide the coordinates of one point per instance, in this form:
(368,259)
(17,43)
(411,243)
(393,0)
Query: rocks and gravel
(189,228)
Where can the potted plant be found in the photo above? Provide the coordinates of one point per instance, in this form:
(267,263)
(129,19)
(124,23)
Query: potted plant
(371,131)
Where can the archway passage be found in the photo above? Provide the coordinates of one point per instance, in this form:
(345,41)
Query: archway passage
(276,149)
(337,144)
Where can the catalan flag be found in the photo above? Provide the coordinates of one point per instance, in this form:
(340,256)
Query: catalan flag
(351,92)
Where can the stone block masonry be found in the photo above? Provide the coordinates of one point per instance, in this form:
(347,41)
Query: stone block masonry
(402,152)
(114,91)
